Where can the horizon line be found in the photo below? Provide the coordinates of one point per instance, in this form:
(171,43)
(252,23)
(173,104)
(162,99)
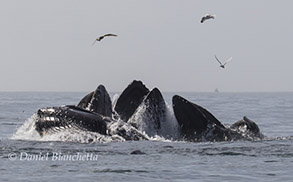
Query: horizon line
(219,92)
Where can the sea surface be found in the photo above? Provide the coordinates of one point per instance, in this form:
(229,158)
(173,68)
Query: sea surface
(270,159)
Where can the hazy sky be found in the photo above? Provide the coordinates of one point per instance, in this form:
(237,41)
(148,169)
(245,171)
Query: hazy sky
(46,45)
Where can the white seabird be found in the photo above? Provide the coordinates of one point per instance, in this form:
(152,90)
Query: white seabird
(223,65)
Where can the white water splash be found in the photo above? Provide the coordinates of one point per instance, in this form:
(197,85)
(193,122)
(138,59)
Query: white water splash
(125,130)
(117,130)
(144,122)
(114,100)
(139,119)
(27,131)
(170,127)
(80,136)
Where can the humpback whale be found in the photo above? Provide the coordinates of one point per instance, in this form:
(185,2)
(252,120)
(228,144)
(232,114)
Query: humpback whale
(94,113)
(130,99)
(56,118)
(198,124)
(150,113)
(140,111)
(247,128)
(97,101)
(139,114)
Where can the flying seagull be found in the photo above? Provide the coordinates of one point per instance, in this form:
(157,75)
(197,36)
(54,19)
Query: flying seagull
(206,17)
(223,65)
(103,36)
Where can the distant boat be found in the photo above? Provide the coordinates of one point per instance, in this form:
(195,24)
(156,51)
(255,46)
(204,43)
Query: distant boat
(103,36)
(223,65)
(216,90)
(206,17)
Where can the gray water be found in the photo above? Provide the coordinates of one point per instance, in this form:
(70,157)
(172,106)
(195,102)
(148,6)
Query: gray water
(160,160)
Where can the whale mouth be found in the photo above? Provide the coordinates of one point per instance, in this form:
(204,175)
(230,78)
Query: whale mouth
(185,112)
(60,118)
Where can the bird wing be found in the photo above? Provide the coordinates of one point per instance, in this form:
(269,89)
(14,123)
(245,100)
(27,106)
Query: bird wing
(94,42)
(212,16)
(109,34)
(218,60)
(228,60)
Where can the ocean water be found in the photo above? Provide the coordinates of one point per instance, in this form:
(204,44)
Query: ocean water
(270,159)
